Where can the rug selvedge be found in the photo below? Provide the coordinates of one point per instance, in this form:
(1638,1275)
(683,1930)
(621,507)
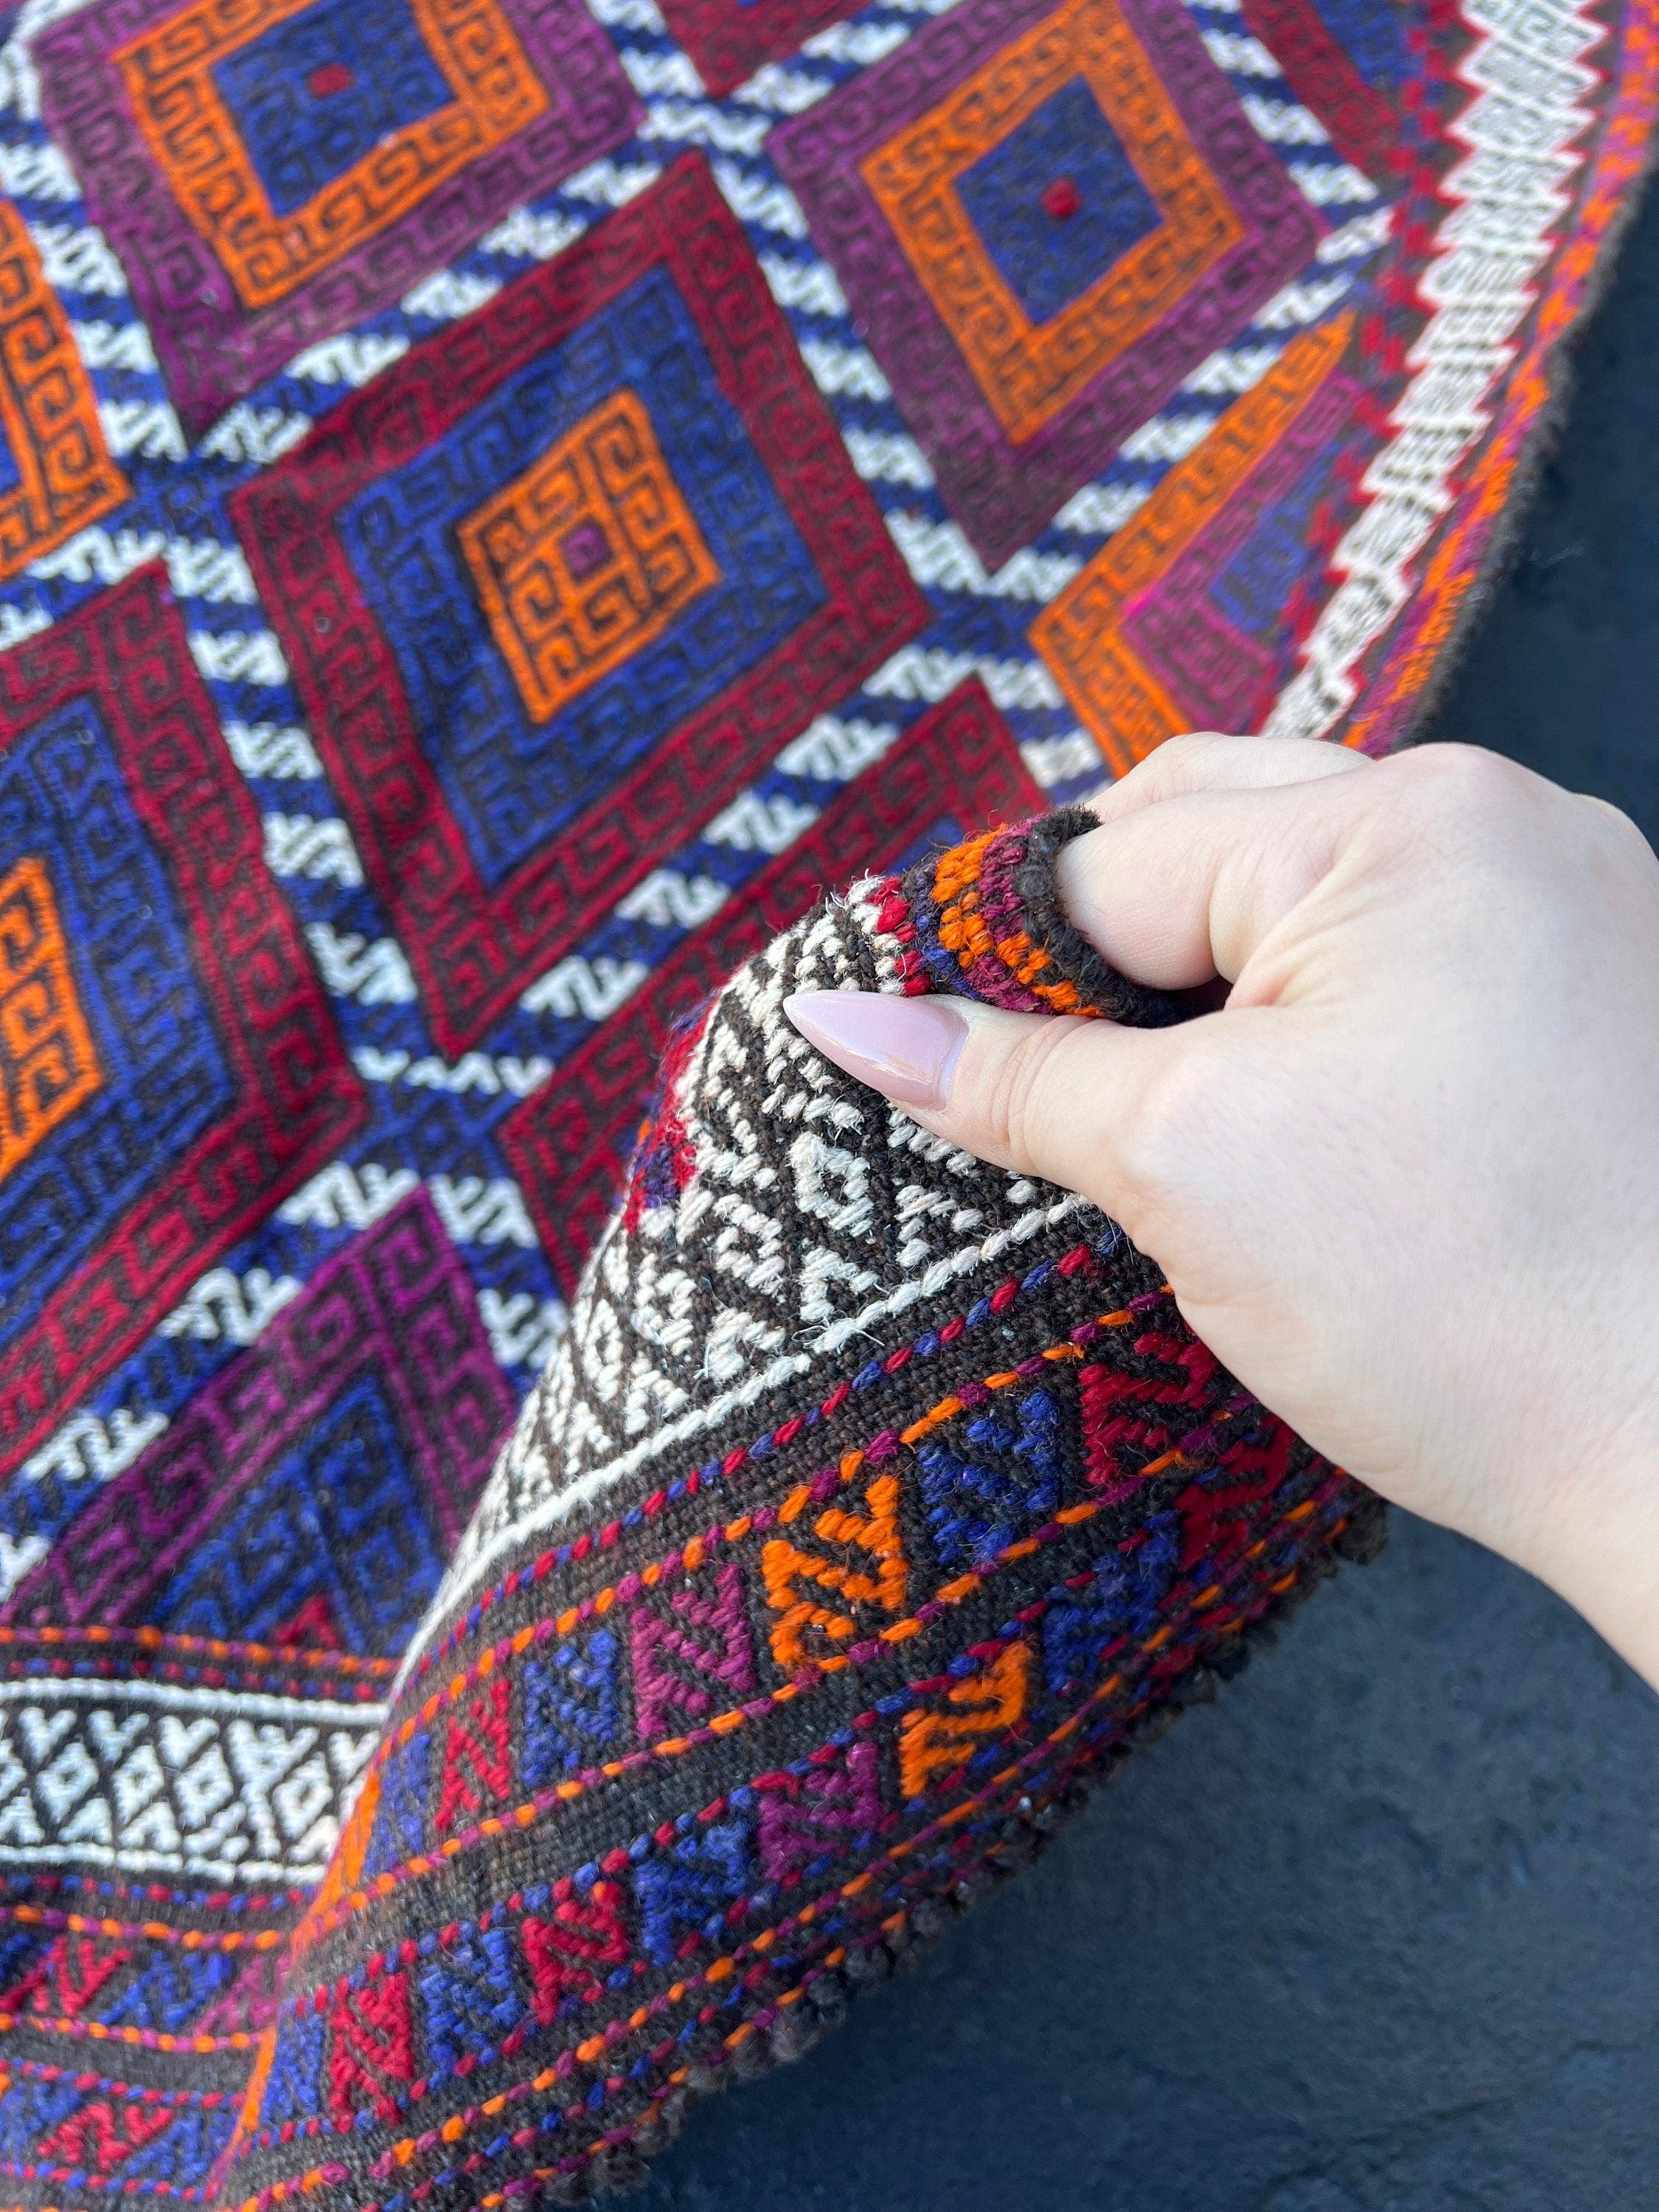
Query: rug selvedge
(623,1750)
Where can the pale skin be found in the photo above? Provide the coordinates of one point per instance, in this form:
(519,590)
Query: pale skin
(1406,1181)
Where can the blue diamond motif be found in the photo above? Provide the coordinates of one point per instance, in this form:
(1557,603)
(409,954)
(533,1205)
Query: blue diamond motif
(314,95)
(1065,156)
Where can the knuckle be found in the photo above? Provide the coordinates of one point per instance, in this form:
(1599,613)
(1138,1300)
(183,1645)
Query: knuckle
(1176,765)
(1614,827)
(1499,825)
(1017,1102)
(1455,779)
(1465,805)
(1193,746)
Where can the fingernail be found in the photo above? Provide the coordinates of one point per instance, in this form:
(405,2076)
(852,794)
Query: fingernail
(907,1048)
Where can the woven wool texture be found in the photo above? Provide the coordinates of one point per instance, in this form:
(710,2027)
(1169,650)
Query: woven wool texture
(501,502)
(686,1758)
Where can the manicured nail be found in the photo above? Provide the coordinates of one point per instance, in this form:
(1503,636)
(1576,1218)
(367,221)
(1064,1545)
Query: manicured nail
(907,1048)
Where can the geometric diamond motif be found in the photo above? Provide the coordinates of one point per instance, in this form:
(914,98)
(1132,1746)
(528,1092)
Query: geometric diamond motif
(229,1787)
(1003,1479)
(842,1574)
(1213,632)
(225,1083)
(55,475)
(630,430)
(295,2079)
(481,651)
(572,1707)
(470,1997)
(163,1076)
(939,1739)
(1120,1599)
(1057,203)
(685,1890)
(574,672)
(329,1550)
(1084,58)
(311,92)
(989,169)
(370,2050)
(817,1813)
(173,1990)
(584,558)
(270,171)
(317,1470)
(101,2136)
(94,2134)
(827,1586)
(194,78)
(692,1656)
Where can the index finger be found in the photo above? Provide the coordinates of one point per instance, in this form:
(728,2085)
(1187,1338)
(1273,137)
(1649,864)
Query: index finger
(1177,892)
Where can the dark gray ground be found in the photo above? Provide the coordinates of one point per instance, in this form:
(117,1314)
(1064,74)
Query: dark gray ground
(1379,1928)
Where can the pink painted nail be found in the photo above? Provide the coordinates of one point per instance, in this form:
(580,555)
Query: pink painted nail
(907,1048)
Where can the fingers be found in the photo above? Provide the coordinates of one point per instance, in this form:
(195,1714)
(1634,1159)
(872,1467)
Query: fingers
(1042,1095)
(1178,891)
(1201,852)
(1207,761)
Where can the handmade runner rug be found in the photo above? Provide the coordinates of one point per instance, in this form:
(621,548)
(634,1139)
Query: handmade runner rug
(501,502)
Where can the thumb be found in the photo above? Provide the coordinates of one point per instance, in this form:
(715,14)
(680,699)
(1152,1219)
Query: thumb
(1044,1094)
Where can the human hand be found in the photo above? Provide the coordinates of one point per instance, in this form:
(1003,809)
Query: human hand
(1406,1182)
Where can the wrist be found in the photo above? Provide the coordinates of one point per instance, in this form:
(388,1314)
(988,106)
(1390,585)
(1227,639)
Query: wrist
(1598,1544)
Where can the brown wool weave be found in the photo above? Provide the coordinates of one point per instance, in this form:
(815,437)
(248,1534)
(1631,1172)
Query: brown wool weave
(875,1501)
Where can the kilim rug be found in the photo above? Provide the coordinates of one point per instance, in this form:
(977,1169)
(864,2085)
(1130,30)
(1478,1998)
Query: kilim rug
(500,501)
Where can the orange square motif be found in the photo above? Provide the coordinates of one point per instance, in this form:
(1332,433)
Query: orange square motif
(63,476)
(582,560)
(47,1063)
(171,77)
(1029,371)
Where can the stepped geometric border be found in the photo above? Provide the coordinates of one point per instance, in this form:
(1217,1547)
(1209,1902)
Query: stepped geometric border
(1246,1510)
(568,1144)
(473,949)
(1086,633)
(213,344)
(48,414)
(298,1098)
(395,1304)
(1002,490)
(730,40)
(99,1773)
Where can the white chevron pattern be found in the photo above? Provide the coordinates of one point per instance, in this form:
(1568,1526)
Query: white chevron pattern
(148,1777)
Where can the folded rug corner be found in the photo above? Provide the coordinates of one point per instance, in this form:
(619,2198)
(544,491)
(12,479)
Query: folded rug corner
(874,1502)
